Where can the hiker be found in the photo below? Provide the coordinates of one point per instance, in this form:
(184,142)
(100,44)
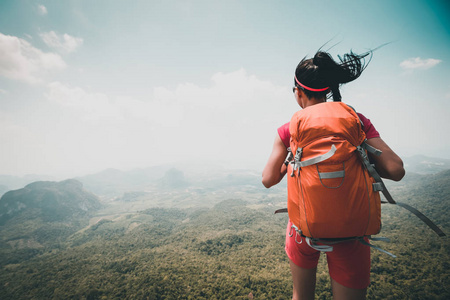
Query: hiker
(317,79)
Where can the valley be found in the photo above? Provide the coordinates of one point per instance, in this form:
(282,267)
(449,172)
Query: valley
(210,236)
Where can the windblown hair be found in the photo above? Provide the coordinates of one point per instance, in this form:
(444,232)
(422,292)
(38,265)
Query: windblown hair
(322,71)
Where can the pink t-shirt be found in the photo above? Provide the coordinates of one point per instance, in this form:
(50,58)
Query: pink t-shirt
(368,128)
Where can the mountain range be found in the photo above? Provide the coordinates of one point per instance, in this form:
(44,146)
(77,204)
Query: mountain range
(422,164)
(115,183)
(208,235)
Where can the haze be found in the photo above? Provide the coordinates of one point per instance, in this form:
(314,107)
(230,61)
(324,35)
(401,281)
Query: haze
(86,86)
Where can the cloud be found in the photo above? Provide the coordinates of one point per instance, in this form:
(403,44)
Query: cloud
(230,107)
(419,63)
(232,97)
(21,61)
(42,10)
(63,43)
(226,121)
(90,105)
(231,120)
(96,107)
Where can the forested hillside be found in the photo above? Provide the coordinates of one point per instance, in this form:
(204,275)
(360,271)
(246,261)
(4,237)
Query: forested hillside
(230,249)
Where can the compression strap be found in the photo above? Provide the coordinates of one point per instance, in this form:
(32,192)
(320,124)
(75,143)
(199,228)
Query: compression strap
(379,186)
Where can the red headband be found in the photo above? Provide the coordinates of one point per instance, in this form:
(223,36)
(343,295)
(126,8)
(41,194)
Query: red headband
(308,88)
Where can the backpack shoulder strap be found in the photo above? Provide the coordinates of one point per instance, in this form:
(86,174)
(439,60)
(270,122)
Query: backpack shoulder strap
(379,186)
(424,218)
(362,123)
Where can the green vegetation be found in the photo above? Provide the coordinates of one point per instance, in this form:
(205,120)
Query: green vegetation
(226,250)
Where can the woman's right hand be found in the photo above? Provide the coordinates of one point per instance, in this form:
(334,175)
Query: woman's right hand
(275,169)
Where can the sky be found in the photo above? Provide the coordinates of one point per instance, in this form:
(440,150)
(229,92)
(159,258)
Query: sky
(89,85)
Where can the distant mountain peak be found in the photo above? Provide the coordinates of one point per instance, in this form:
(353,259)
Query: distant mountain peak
(72,183)
(49,200)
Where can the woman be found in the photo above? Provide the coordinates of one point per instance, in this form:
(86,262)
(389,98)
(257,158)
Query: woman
(349,262)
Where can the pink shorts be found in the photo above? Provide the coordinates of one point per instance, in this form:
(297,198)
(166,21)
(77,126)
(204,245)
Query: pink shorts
(348,263)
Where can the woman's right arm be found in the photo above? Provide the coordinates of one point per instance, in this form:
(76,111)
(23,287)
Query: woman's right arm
(275,169)
(389,165)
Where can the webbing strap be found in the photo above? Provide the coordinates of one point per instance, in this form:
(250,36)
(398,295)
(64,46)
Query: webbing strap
(333,241)
(371,149)
(317,159)
(323,248)
(379,186)
(327,243)
(423,218)
(362,241)
(281,210)
(380,238)
(330,175)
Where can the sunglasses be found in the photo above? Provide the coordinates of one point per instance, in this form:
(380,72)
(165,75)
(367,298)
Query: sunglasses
(297,87)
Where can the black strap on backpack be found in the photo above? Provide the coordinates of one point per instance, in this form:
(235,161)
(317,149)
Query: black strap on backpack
(379,186)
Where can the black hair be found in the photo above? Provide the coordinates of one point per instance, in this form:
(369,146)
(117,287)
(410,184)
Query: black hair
(322,71)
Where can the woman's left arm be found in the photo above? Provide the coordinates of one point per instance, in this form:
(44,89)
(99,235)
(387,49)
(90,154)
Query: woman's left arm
(389,165)
(275,169)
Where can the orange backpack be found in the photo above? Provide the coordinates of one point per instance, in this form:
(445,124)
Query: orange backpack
(333,189)
(330,192)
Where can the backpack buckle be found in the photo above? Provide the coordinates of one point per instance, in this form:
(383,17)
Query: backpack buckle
(289,156)
(298,233)
(377,187)
(296,162)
